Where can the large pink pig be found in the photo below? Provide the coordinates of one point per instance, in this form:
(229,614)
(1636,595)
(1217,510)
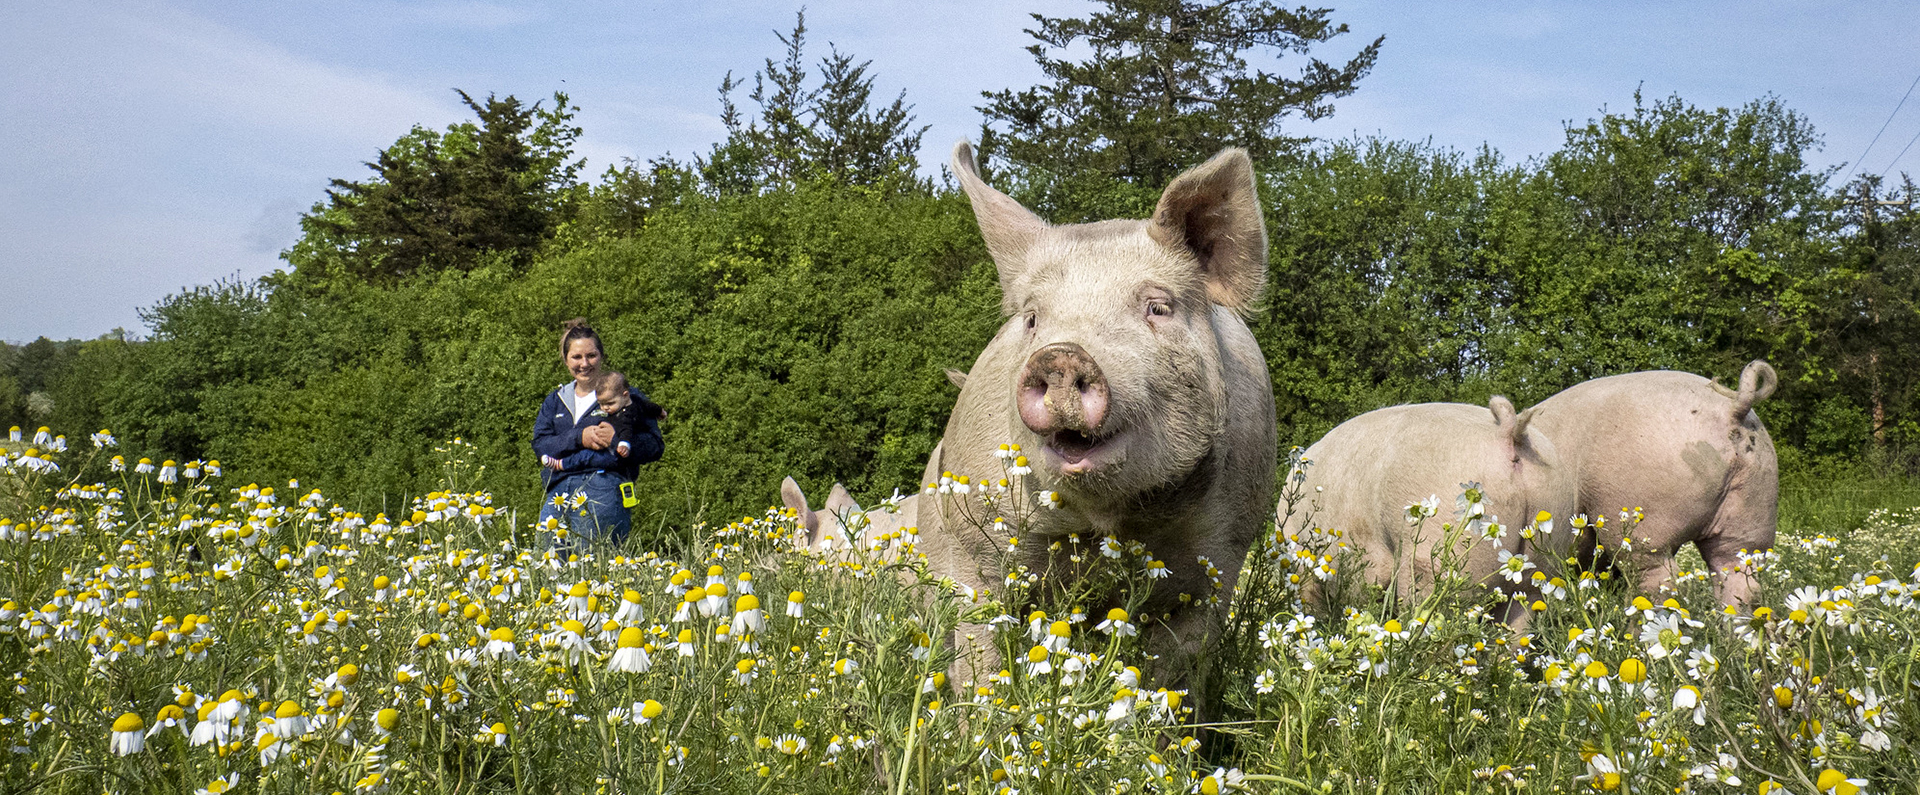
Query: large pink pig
(1125,372)
(1688,452)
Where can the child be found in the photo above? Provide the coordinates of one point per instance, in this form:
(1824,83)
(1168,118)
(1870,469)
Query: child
(628,413)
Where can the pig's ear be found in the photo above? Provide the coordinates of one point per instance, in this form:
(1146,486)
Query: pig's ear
(1008,228)
(956,378)
(792,497)
(840,502)
(1213,211)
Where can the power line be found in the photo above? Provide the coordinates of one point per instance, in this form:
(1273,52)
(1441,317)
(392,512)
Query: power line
(1883,126)
(1903,153)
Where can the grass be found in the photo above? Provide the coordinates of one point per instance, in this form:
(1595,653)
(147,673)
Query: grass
(316,650)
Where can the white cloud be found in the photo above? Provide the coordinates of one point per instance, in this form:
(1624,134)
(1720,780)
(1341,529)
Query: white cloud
(228,73)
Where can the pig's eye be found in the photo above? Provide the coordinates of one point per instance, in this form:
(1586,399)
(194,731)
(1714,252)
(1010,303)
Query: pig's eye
(1159,309)
(1031,319)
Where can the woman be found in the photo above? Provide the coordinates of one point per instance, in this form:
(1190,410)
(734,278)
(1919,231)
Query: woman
(585,495)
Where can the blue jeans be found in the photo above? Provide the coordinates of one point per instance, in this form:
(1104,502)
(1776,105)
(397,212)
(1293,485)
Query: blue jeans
(594,510)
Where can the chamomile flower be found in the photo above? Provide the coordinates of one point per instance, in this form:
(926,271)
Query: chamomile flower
(1220,780)
(1038,662)
(500,645)
(631,611)
(630,654)
(796,604)
(1664,635)
(385,721)
(1058,633)
(1724,769)
(1598,676)
(219,786)
(1632,671)
(1834,782)
(747,617)
(494,735)
(1117,623)
(171,716)
(1514,567)
(571,639)
(715,600)
(691,597)
(1687,697)
(128,735)
(270,748)
(289,719)
(576,601)
(1602,773)
(1423,510)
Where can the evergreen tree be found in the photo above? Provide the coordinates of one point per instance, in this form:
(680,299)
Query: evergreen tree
(446,200)
(830,131)
(1167,84)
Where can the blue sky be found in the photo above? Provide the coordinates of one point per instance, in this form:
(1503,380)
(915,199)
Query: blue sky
(150,145)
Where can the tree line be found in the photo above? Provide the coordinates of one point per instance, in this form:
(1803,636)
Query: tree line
(793,294)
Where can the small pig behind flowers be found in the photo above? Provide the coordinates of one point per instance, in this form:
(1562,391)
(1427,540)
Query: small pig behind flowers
(1427,490)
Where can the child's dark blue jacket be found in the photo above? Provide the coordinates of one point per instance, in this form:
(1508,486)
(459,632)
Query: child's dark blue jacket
(555,434)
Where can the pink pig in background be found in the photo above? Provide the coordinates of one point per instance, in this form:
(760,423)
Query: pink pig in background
(1689,453)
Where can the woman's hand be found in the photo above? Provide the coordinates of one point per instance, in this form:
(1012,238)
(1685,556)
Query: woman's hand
(596,437)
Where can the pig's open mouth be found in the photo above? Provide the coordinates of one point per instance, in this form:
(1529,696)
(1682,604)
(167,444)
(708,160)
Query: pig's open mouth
(1077,451)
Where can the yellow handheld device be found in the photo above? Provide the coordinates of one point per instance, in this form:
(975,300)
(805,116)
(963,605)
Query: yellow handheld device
(626,495)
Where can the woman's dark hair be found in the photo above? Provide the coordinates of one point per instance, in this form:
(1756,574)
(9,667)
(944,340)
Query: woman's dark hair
(577,329)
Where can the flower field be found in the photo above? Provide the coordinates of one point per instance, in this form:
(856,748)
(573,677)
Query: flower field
(165,630)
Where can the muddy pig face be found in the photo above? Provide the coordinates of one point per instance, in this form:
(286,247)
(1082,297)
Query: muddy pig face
(1116,378)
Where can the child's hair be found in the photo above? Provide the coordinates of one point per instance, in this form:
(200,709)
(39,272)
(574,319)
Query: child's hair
(609,381)
(577,329)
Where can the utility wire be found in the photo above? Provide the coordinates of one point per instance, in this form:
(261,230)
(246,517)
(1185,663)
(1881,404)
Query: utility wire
(1903,153)
(1883,126)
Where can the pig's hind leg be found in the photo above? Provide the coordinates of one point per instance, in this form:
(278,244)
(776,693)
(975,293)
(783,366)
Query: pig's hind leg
(1746,522)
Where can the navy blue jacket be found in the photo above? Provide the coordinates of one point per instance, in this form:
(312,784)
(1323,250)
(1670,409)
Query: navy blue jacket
(555,434)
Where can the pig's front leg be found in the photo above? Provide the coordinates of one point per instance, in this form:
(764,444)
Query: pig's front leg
(1179,644)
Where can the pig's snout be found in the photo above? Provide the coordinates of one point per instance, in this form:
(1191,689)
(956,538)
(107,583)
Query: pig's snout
(1062,389)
